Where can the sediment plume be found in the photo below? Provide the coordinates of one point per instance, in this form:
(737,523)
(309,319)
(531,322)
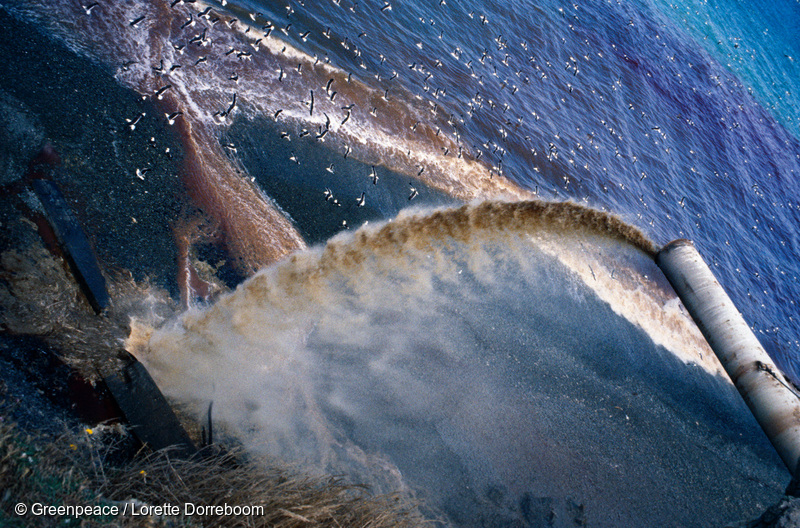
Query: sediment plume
(492,218)
(255,232)
(417,333)
(519,217)
(399,132)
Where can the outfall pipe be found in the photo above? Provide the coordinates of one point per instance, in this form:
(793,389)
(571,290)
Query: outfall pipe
(763,387)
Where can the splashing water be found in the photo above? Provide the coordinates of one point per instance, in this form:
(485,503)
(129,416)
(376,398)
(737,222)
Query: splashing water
(451,355)
(506,362)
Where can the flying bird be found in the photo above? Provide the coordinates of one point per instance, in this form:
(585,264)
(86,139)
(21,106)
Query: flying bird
(88,8)
(132,122)
(232,105)
(160,92)
(173,116)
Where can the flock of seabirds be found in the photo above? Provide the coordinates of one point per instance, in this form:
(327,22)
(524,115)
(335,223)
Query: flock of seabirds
(198,48)
(197,27)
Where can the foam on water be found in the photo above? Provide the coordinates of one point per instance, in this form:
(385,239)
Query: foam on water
(474,355)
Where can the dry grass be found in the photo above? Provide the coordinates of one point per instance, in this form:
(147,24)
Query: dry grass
(288,499)
(32,471)
(77,469)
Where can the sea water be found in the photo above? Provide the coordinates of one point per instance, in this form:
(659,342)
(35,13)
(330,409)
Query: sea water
(504,369)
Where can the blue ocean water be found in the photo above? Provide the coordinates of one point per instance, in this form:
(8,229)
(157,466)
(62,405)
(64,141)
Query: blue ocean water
(443,352)
(758,45)
(681,117)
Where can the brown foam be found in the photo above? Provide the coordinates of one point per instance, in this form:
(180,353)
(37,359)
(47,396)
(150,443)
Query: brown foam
(463,223)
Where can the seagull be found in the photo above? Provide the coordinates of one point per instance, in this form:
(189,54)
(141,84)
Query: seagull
(141,172)
(160,92)
(386,7)
(88,8)
(132,122)
(345,118)
(311,104)
(330,168)
(374,175)
(173,116)
(414,193)
(136,21)
(199,37)
(360,201)
(328,194)
(231,107)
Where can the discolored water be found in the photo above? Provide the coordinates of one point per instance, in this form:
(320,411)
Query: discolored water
(508,361)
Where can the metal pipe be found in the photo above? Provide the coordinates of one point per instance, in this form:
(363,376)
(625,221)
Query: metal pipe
(763,387)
